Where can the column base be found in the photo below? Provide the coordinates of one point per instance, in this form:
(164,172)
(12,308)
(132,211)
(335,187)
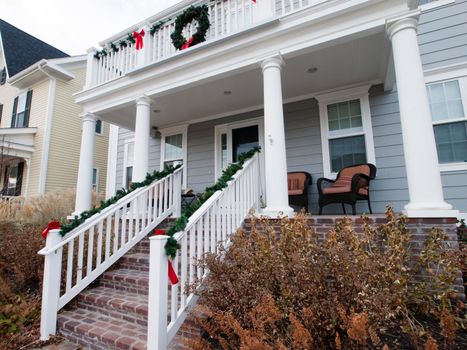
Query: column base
(430,210)
(276,212)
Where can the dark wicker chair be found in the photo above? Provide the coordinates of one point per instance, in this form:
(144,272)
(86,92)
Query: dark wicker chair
(298,182)
(351,185)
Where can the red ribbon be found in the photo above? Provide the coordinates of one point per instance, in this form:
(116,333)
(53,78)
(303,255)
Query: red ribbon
(139,39)
(53,225)
(187,44)
(172,275)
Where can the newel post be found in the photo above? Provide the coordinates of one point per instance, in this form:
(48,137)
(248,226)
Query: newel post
(51,285)
(91,68)
(157,298)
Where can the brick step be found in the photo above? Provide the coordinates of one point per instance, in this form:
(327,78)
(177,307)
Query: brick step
(129,280)
(101,332)
(137,261)
(120,305)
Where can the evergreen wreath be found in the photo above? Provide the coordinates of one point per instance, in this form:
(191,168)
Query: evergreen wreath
(198,13)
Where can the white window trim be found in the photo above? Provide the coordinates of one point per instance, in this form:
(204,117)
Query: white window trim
(227,129)
(97,179)
(125,160)
(446,74)
(102,128)
(175,130)
(361,93)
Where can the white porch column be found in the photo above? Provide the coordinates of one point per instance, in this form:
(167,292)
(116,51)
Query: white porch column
(275,171)
(142,130)
(86,163)
(421,157)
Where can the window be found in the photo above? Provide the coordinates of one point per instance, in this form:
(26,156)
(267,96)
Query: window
(128,163)
(99,127)
(173,148)
(1,114)
(12,180)
(346,131)
(448,104)
(21,110)
(95,179)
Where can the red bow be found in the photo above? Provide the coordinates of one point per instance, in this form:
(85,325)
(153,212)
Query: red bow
(187,44)
(172,275)
(53,225)
(139,39)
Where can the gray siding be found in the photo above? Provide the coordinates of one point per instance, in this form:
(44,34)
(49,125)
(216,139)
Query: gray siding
(443,35)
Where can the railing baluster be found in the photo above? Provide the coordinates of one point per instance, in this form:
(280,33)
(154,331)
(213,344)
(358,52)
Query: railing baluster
(191,261)
(99,244)
(69,266)
(90,251)
(184,261)
(116,230)
(79,269)
(207,231)
(174,293)
(199,252)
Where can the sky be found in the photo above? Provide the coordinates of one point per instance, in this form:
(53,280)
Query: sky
(74,26)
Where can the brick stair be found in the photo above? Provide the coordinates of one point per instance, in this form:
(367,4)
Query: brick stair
(112,313)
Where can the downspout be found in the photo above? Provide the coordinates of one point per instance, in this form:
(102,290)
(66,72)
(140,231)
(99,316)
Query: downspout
(47,132)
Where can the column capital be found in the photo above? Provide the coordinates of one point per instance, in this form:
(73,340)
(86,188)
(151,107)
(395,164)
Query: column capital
(143,101)
(92,50)
(88,117)
(396,25)
(275,61)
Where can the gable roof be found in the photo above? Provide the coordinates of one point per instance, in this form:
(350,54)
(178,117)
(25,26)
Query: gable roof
(22,50)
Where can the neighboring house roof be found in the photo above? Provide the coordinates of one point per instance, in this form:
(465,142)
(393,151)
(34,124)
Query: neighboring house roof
(21,50)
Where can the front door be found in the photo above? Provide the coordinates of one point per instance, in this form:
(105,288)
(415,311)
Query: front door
(236,138)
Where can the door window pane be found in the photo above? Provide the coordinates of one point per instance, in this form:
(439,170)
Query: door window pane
(95,179)
(347,151)
(451,141)
(173,147)
(224,151)
(129,176)
(243,140)
(445,101)
(344,116)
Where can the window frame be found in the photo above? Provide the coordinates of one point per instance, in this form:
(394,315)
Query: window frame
(171,131)
(443,75)
(125,161)
(360,93)
(95,186)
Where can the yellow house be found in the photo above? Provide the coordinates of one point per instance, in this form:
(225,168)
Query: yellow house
(40,128)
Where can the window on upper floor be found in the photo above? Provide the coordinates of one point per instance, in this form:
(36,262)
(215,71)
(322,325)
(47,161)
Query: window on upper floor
(448,104)
(3,76)
(99,127)
(21,110)
(347,137)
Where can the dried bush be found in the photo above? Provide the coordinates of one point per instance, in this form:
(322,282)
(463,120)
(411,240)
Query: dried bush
(352,291)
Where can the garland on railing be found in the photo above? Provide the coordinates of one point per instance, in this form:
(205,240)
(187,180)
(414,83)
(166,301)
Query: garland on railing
(150,178)
(171,246)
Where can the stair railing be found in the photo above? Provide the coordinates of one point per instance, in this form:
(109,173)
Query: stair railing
(74,261)
(213,223)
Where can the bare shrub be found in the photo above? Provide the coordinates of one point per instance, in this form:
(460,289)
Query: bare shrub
(352,291)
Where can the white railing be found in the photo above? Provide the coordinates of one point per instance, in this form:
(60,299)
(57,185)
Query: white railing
(90,249)
(211,224)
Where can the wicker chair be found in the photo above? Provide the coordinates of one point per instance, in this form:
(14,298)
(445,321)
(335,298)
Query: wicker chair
(298,183)
(351,185)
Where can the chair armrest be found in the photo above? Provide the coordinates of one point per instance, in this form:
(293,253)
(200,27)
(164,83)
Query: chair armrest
(356,181)
(320,181)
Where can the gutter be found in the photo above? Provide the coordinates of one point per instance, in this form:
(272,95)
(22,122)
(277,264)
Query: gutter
(41,66)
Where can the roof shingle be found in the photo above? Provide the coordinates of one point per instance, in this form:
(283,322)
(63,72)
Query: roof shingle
(22,49)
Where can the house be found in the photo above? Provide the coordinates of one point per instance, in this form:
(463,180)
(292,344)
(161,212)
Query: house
(318,84)
(39,123)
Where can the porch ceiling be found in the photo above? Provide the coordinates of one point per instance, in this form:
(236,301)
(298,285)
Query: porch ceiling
(355,61)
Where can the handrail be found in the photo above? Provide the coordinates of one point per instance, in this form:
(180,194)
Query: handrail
(93,220)
(91,248)
(213,223)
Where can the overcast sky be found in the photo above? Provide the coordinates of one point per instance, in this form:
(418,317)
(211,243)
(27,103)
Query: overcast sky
(74,26)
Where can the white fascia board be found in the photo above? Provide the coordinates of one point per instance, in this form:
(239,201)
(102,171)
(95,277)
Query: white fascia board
(240,53)
(40,70)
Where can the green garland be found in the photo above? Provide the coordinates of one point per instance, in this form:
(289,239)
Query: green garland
(198,13)
(150,178)
(179,225)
